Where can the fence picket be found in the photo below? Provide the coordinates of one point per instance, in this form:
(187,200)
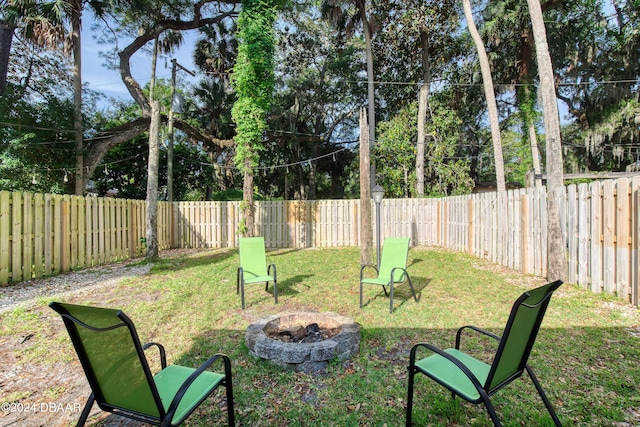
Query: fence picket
(27,236)
(609,231)
(5,236)
(623,233)
(597,237)
(38,235)
(16,237)
(584,221)
(572,233)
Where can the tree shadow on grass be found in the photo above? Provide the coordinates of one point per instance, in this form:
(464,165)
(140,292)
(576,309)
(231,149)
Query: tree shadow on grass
(195,259)
(286,288)
(290,286)
(401,292)
(414,261)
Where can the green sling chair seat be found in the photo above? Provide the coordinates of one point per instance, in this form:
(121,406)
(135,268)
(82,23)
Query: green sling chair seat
(121,381)
(474,380)
(253,267)
(393,268)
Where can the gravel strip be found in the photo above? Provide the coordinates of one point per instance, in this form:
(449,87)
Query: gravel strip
(25,294)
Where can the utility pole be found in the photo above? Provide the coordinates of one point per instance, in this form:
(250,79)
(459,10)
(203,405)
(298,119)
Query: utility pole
(174,66)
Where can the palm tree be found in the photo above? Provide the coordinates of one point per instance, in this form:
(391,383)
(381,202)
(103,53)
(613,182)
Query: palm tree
(42,23)
(38,22)
(6,38)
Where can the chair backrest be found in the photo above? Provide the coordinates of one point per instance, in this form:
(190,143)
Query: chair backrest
(252,255)
(395,251)
(519,335)
(112,358)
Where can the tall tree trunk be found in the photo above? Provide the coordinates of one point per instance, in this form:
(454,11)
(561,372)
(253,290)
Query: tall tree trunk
(154,61)
(366,240)
(313,167)
(76,14)
(313,164)
(371,96)
(6,38)
(535,153)
(152,182)
(557,256)
(492,106)
(527,109)
(248,211)
(423,102)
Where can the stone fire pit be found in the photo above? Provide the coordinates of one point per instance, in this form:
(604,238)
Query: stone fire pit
(303,356)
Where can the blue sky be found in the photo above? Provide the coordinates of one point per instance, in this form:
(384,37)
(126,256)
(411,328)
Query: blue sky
(101,79)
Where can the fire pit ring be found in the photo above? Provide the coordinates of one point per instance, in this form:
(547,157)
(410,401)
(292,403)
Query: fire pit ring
(302,356)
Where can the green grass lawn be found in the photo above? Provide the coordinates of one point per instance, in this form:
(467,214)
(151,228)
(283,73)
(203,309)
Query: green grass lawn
(586,357)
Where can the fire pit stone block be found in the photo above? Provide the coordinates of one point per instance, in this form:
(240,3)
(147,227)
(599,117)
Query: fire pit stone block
(301,356)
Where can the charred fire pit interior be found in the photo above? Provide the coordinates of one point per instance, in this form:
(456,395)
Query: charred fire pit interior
(303,341)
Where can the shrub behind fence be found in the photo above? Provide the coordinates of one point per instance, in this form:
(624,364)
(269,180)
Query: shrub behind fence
(47,234)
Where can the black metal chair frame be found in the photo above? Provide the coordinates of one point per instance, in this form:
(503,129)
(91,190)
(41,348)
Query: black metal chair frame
(240,283)
(96,395)
(389,284)
(487,389)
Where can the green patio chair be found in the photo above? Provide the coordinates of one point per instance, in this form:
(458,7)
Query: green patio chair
(253,267)
(474,380)
(393,268)
(121,381)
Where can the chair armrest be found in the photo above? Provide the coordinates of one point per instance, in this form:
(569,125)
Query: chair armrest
(463,368)
(274,271)
(163,354)
(365,266)
(187,383)
(393,272)
(474,328)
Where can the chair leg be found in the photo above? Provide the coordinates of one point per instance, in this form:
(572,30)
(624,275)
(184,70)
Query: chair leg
(492,412)
(410,396)
(231,415)
(242,293)
(86,410)
(360,293)
(275,290)
(542,394)
(391,297)
(411,287)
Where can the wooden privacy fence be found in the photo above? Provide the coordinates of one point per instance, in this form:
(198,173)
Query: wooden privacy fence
(43,234)
(46,234)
